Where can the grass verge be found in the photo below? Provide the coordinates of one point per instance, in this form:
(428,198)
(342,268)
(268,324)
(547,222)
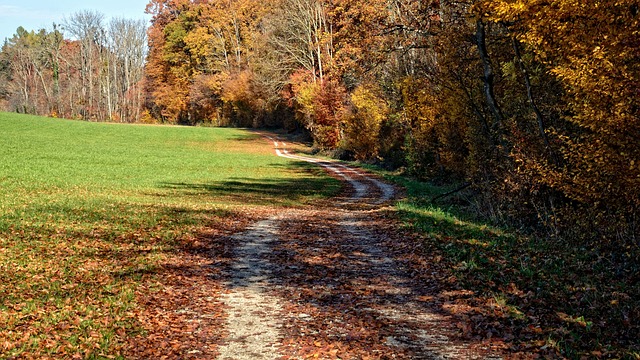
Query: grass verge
(535,295)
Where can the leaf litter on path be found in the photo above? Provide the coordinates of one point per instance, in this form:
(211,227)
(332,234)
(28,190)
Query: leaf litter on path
(322,282)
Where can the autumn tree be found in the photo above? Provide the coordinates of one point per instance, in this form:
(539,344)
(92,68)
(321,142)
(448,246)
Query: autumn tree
(166,86)
(196,50)
(591,50)
(363,121)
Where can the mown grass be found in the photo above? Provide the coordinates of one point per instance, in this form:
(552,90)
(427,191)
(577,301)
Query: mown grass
(537,294)
(87,209)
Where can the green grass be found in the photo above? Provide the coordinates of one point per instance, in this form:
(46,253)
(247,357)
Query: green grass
(86,209)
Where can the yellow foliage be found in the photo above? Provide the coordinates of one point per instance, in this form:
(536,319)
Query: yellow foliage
(199,43)
(362,124)
(146,118)
(305,96)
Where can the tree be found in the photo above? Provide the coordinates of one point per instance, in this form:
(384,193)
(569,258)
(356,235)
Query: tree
(127,43)
(299,33)
(87,27)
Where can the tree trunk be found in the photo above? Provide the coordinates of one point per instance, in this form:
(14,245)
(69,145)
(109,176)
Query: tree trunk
(488,76)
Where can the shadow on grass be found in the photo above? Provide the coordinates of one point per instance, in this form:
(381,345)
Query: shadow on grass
(270,191)
(246,136)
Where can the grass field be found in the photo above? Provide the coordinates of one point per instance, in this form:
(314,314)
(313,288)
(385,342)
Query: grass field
(85,208)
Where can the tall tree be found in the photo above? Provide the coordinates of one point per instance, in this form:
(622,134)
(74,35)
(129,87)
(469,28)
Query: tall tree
(127,43)
(88,29)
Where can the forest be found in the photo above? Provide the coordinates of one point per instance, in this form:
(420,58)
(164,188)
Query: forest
(530,108)
(532,104)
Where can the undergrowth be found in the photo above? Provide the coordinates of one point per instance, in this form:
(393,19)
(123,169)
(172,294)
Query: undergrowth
(538,294)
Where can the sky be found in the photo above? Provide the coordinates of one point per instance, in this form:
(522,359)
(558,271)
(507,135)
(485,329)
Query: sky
(37,14)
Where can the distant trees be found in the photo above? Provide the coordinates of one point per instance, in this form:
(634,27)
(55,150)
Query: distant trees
(24,70)
(95,74)
(198,67)
(126,45)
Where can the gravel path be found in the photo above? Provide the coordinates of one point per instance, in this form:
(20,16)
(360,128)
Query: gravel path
(320,283)
(253,322)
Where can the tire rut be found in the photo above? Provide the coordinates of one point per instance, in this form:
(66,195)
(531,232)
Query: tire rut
(252,321)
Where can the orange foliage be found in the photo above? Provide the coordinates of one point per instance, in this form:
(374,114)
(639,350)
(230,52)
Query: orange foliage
(239,94)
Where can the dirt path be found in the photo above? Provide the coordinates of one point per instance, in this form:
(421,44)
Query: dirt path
(324,283)
(253,322)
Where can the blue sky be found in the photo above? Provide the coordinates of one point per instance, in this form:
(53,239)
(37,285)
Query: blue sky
(36,14)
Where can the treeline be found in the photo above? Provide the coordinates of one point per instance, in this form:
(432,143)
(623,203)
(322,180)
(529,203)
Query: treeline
(86,68)
(533,103)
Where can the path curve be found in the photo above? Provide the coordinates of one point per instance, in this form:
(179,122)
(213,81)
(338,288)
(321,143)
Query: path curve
(343,171)
(259,303)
